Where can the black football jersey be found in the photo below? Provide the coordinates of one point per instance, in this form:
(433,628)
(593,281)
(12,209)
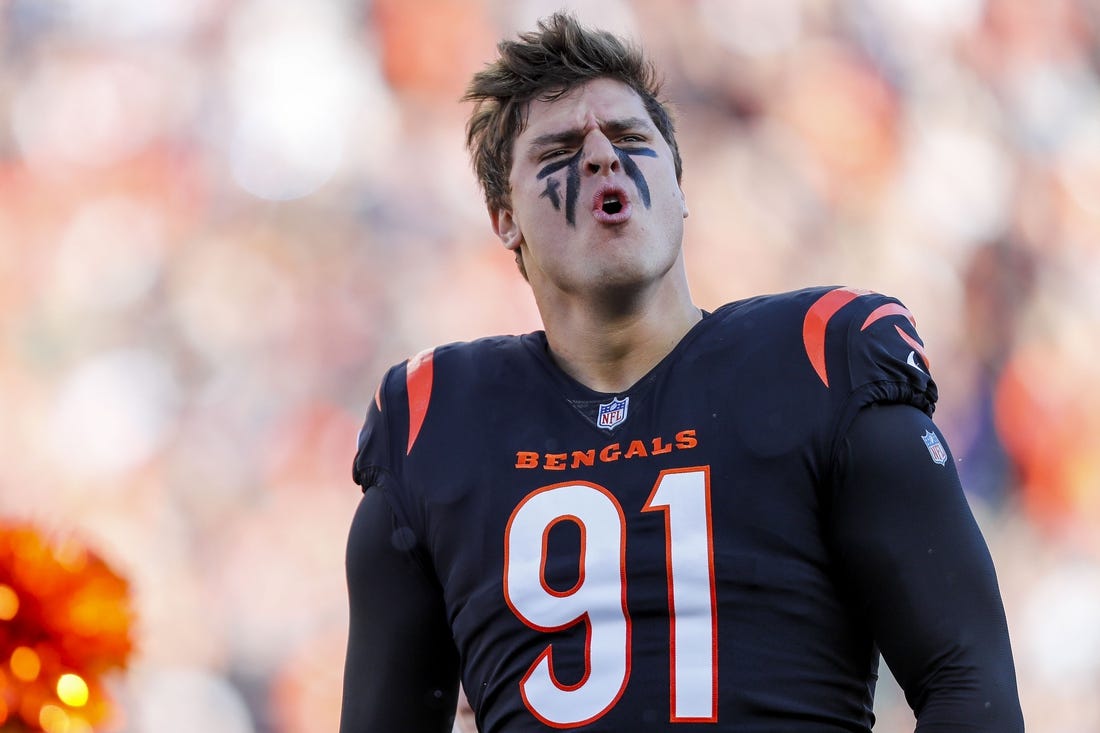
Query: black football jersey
(653,559)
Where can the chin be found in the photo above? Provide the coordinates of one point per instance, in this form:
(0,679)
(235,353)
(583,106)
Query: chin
(630,276)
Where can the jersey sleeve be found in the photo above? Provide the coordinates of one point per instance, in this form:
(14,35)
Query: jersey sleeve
(381,455)
(401,665)
(920,575)
(886,356)
(864,349)
(372,456)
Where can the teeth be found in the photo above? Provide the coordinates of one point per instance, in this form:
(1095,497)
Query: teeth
(612,199)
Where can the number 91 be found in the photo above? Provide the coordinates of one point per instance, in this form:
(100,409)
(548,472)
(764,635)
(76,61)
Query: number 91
(599,598)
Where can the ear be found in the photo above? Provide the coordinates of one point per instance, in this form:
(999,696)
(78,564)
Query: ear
(506,228)
(683,203)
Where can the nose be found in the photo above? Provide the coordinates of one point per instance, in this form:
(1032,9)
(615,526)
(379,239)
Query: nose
(599,154)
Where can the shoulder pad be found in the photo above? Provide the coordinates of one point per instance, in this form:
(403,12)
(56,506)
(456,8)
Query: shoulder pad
(388,424)
(856,337)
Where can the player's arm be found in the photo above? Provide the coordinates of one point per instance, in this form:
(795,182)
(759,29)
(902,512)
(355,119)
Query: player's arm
(401,669)
(920,571)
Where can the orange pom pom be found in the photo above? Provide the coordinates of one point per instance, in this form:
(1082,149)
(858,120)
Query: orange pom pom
(66,621)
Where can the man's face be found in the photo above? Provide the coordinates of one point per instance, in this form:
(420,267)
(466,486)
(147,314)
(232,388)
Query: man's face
(595,201)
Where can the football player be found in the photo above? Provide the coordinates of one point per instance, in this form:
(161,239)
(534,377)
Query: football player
(647,517)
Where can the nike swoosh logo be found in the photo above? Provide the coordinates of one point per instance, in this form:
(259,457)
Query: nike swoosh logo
(912,361)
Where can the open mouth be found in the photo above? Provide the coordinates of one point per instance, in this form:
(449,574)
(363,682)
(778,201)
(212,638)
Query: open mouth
(611,205)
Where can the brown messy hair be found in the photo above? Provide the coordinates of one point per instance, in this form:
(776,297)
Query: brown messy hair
(544,65)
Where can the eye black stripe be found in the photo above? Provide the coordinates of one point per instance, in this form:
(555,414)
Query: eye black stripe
(631,169)
(554,167)
(551,192)
(572,188)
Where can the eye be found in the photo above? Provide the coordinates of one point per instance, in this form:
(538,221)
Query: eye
(632,138)
(556,153)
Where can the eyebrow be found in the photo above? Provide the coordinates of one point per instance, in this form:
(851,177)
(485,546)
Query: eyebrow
(610,127)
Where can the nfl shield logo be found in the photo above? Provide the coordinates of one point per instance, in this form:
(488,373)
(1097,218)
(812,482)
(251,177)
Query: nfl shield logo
(612,413)
(935,447)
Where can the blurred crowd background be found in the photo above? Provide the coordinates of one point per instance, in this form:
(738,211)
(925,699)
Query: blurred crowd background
(221,220)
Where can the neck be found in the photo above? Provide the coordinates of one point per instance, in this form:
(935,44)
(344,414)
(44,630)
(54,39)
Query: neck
(608,343)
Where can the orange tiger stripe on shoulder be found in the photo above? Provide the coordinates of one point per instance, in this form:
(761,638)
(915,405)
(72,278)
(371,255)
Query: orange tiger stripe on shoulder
(817,319)
(890,309)
(418,382)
